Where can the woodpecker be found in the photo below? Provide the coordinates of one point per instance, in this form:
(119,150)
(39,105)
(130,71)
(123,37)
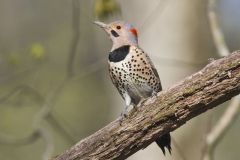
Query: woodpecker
(131,70)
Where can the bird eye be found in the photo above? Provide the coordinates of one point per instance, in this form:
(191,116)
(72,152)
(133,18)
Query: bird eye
(118,27)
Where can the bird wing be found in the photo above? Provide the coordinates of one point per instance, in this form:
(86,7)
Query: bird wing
(150,72)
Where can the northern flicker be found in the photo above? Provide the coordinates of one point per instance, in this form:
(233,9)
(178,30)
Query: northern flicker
(131,70)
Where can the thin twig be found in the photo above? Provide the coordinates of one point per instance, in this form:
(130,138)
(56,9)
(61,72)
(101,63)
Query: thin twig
(50,117)
(217,33)
(49,143)
(10,140)
(20,89)
(53,121)
(75,38)
(221,128)
(229,116)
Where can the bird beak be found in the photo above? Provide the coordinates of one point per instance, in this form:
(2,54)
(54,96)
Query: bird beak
(100,24)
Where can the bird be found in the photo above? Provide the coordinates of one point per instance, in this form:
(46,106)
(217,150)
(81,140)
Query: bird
(131,70)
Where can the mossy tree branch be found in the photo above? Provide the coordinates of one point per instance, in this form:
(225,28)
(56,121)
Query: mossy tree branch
(218,82)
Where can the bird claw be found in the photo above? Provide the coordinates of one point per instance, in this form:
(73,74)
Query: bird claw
(125,112)
(122,116)
(154,94)
(140,103)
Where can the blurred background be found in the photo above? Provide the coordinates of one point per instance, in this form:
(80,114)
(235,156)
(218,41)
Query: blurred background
(54,83)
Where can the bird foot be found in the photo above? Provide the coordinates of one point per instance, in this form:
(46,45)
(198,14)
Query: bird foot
(122,116)
(154,94)
(140,103)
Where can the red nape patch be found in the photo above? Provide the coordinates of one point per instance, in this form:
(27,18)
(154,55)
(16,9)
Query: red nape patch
(134,32)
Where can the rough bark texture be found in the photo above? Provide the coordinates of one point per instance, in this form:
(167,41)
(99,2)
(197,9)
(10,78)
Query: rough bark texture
(218,82)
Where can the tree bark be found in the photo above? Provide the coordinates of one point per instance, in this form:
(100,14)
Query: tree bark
(218,82)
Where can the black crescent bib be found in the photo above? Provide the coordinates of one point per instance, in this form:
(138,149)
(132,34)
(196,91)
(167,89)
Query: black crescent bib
(119,54)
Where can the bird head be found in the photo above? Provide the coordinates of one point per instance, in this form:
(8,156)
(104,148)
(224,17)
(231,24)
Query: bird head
(121,33)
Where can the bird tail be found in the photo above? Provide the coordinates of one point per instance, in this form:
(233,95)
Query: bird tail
(164,141)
